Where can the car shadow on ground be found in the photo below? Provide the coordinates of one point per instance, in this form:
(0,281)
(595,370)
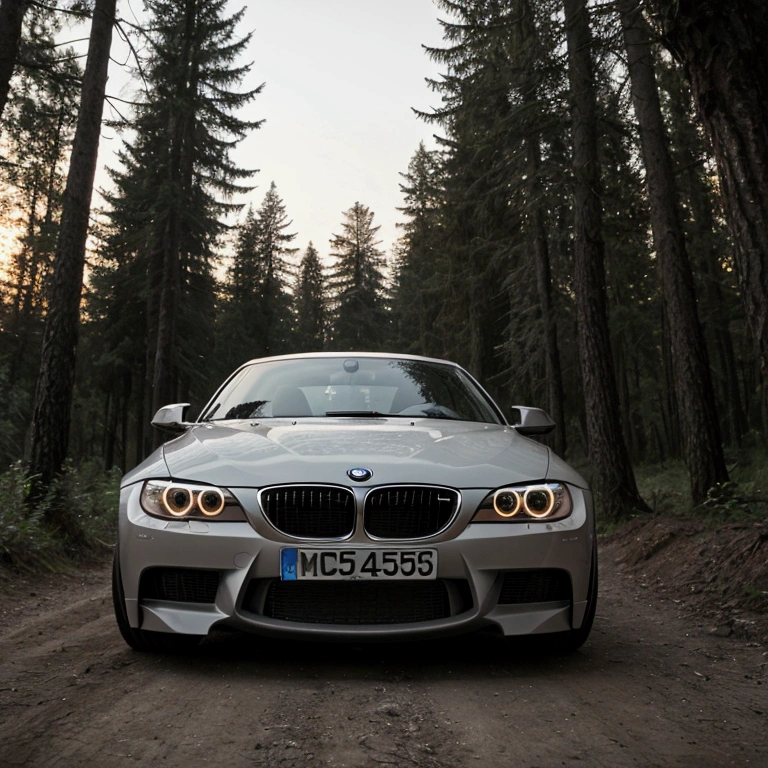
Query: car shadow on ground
(478,655)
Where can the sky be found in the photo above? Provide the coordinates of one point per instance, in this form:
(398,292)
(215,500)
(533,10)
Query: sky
(341,78)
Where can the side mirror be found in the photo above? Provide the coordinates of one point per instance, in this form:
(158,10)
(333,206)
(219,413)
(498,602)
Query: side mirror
(531,421)
(172,418)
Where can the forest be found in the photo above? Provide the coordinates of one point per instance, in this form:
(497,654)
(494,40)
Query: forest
(589,235)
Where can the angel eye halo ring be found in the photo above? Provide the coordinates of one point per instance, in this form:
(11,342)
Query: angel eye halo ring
(178,500)
(188,501)
(507,502)
(539,501)
(526,503)
(210,502)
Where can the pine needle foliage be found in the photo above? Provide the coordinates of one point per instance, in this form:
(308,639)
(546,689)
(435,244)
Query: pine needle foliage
(167,214)
(420,268)
(36,133)
(257,315)
(359,318)
(310,303)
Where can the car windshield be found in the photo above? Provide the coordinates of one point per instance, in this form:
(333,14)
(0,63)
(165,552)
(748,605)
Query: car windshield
(350,386)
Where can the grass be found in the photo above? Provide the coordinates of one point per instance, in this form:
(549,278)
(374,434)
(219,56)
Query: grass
(666,490)
(84,497)
(664,487)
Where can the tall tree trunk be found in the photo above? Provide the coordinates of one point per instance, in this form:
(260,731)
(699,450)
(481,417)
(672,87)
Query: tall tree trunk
(699,424)
(667,396)
(614,478)
(53,397)
(170,283)
(708,249)
(140,415)
(553,373)
(722,47)
(11,20)
(180,181)
(124,406)
(162,384)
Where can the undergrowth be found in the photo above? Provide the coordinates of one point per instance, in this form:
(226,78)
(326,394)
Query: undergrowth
(666,490)
(664,487)
(84,497)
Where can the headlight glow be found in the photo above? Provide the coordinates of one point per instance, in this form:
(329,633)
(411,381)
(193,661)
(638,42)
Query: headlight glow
(183,501)
(525,503)
(177,501)
(211,502)
(539,502)
(507,502)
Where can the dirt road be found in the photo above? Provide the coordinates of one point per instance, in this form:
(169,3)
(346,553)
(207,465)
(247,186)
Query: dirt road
(649,689)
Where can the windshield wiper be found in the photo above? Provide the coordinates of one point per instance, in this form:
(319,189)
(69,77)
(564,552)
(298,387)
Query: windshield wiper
(435,412)
(375,414)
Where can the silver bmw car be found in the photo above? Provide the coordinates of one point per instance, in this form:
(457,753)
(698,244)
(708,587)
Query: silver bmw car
(353,496)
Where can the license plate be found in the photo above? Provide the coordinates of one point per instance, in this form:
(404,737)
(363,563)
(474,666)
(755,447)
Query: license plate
(357,564)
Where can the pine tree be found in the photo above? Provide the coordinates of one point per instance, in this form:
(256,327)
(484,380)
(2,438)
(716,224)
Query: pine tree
(615,480)
(700,427)
(502,112)
(53,397)
(173,192)
(420,271)
(11,21)
(35,141)
(275,257)
(721,44)
(193,64)
(479,222)
(257,318)
(710,250)
(37,132)
(358,314)
(310,303)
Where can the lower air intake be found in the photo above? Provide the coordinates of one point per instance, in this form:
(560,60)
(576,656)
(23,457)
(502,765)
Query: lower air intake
(539,586)
(182,585)
(357,603)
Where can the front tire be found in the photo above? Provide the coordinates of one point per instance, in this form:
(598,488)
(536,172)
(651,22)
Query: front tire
(141,639)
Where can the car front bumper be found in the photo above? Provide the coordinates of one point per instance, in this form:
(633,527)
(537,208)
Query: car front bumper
(476,554)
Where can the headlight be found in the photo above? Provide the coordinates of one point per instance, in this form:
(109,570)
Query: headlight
(523,503)
(185,501)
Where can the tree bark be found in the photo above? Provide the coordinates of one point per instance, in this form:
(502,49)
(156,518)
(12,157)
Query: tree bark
(699,423)
(53,397)
(11,21)
(722,47)
(614,478)
(553,372)
(162,383)
(706,249)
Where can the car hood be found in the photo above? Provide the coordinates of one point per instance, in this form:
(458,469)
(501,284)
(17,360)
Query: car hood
(458,454)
